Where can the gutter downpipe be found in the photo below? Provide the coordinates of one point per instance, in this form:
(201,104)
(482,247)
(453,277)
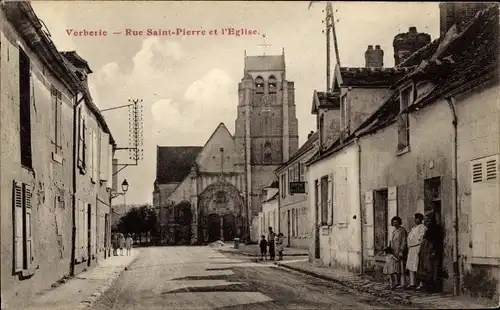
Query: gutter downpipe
(358,168)
(73,208)
(456,276)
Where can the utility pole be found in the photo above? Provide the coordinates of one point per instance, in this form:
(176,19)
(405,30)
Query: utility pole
(330,29)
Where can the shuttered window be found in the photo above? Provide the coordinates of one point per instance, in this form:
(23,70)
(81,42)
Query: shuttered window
(57,122)
(23,227)
(324,200)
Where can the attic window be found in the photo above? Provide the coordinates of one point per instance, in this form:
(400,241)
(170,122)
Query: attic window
(272,85)
(259,85)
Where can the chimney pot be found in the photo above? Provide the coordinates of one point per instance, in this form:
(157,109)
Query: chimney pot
(413,29)
(377,47)
(370,47)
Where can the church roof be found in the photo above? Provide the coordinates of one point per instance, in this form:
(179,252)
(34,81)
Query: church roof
(265,63)
(174,163)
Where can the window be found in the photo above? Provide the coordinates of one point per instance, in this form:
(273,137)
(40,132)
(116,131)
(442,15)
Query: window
(23,230)
(268,152)
(404,120)
(57,113)
(484,212)
(283,185)
(301,172)
(259,85)
(324,200)
(25,93)
(344,118)
(272,85)
(293,222)
(290,179)
(297,222)
(82,141)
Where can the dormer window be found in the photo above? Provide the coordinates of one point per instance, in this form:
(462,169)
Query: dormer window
(259,85)
(272,85)
(405,100)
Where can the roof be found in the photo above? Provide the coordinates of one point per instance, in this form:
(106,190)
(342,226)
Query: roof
(174,163)
(370,77)
(77,60)
(265,63)
(307,146)
(273,197)
(469,56)
(423,53)
(328,100)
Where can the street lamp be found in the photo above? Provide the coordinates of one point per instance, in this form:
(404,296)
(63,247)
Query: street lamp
(124,186)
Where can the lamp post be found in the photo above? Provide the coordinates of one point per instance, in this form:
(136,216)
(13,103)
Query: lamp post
(124,191)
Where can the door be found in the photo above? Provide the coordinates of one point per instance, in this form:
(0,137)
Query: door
(213,227)
(228,227)
(89,234)
(317,251)
(289,231)
(106,235)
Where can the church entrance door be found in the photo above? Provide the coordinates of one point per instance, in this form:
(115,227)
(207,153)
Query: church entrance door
(228,227)
(213,224)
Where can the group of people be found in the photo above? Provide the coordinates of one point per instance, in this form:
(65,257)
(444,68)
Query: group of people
(118,242)
(417,253)
(274,242)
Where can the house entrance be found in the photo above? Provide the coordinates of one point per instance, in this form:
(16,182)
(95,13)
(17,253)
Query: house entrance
(228,227)
(213,227)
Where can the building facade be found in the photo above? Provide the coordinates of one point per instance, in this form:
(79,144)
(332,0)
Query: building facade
(220,186)
(269,216)
(39,91)
(293,207)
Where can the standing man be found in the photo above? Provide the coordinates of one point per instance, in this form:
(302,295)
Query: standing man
(270,241)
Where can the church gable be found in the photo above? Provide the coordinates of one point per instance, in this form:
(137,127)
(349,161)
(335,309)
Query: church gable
(219,153)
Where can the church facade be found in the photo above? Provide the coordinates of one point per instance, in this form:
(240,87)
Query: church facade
(203,194)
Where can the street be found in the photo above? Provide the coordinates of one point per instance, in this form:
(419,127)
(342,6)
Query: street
(202,278)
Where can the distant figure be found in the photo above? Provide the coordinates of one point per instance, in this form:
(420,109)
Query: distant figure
(263,248)
(280,245)
(271,236)
(114,244)
(128,244)
(121,243)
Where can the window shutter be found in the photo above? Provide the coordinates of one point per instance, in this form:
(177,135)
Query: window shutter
(80,141)
(110,166)
(369,223)
(93,232)
(96,155)
(392,208)
(18,226)
(346,211)
(77,239)
(28,226)
(82,230)
(330,199)
(104,169)
(318,208)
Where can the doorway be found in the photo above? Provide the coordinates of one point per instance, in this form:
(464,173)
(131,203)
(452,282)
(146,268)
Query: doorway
(317,224)
(213,225)
(432,203)
(381,220)
(289,228)
(228,227)
(106,236)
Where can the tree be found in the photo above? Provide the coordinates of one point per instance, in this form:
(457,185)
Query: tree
(138,220)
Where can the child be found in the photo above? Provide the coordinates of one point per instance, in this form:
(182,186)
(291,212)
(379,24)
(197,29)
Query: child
(280,246)
(263,248)
(128,244)
(390,267)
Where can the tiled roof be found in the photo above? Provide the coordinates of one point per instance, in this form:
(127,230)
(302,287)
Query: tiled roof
(308,145)
(265,63)
(174,163)
(74,58)
(423,53)
(371,76)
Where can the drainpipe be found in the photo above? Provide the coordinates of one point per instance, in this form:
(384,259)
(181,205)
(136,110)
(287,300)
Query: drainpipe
(454,197)
(358,168)
(76,104)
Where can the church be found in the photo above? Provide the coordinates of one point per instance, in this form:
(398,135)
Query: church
(211,192)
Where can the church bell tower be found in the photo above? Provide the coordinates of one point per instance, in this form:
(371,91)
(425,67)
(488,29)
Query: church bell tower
(266,127)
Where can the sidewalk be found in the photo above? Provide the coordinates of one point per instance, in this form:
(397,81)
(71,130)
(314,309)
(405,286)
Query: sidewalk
(355,282)
(254,251)
(82,290)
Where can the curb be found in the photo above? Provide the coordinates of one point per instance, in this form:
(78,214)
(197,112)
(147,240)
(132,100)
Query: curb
(90,301)
(387,296)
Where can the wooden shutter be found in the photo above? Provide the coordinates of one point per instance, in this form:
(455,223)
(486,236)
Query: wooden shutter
(370,238)
(96,155)
(110,166)
(93,232)
(18,226)
(344,202)
(104,169)
(81,138)
(392,208)
(82,230)
(28,220)
(318,208)
(330,199)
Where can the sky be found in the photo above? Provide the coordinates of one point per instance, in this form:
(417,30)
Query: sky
(189,83)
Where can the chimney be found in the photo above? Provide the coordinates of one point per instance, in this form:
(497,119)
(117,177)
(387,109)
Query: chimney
(405,44)
(452,13)
(310,135)
(374,58)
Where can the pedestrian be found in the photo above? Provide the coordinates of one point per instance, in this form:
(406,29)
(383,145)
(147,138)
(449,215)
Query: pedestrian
(114,244)
(128,244)
(271,236)
(397,254)
(121,243)
(280,245)
(263,248)
(414,240)
(430,256)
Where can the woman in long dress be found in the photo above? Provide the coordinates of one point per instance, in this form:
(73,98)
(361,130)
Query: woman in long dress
(397,250)
(121,243)
(414,239)
(280,245)
(430,254)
